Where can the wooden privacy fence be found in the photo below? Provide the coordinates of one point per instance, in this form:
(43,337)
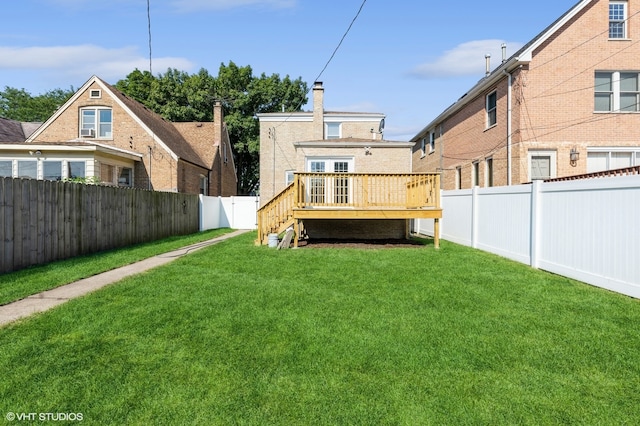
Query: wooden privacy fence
(42,221)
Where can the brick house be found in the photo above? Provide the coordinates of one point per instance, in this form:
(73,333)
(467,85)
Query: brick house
(344,179)
(103,134)
(326,141)
(567,103)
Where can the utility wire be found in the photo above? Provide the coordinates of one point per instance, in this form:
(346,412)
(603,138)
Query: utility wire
(149,27)
(341,40)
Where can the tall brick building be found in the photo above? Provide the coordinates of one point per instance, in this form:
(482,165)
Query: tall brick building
(101,133)
(567,103)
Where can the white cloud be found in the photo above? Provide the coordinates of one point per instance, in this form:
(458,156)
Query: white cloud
(466,59)
(197,5)
(83,61)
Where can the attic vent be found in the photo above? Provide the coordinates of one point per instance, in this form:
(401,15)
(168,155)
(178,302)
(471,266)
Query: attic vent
(87,133)
(95,94)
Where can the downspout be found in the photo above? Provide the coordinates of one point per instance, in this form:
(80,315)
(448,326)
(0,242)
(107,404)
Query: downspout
(509,117)
(150,159)
(441,156)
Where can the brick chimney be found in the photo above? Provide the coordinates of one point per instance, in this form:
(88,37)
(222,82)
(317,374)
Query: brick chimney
(318,111)
(217,122)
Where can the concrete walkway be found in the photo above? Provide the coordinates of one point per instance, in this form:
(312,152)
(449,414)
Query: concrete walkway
(48,299)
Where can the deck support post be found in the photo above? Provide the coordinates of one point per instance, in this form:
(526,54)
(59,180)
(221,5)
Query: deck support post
(296,233)
(436,233)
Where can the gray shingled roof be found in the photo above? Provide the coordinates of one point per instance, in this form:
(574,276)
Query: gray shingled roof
(12,131)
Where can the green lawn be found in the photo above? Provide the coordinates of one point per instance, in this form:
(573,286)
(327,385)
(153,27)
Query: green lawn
(240,334)
(20,284)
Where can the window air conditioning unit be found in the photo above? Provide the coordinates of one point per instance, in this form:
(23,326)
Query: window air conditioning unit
(87,133)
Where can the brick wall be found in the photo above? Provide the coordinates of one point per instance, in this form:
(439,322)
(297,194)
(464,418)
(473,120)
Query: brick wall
(552,108)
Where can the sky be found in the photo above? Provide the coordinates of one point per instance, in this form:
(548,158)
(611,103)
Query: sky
(407,59)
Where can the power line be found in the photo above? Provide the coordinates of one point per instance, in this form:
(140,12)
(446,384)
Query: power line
(149,27)
(341,40)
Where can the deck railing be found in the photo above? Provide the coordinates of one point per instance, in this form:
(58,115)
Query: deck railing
(362,191)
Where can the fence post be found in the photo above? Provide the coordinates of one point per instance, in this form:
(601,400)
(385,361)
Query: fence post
(474,217)
(536,224)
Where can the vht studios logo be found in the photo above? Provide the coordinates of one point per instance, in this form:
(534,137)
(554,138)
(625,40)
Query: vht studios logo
(44,417)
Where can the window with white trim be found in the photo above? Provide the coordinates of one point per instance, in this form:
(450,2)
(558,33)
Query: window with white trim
(603,159)
(458,177)
(617,91)
(52,170)
(288,177)
(28,169)
(432,142)
(423,147)
(6,168)
(491,107)
(204,184)
(333,130)
(96,122)
(618,19)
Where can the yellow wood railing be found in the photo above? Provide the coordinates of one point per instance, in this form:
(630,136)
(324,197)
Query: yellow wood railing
(365,191)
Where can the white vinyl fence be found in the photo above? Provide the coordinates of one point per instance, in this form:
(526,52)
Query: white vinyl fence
(228,212)
(588,230)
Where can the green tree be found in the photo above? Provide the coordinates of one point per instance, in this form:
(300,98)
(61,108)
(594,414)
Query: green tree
(20,105)
(244,96)
(178,96)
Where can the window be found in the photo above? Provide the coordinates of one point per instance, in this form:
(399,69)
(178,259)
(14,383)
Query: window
(458,177)
(599,160)
(203,183)
(475,174)
(316,190)
(617,91)
(288,177)
(95,122)
(125,178)
(6,168)
(28,169)
(423,147)
(333,130)
(542,164)
(52,170)
(491,106)
(107,172)
(617,19)
(76,169)
(489,172)
(332,189)
(432,142)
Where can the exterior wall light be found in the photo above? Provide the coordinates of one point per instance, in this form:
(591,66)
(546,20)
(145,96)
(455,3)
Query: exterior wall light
(574,156)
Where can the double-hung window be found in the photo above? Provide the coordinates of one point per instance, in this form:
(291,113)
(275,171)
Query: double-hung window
(432,141)
(96,122)
(491,106)
(617,19)
(617,91)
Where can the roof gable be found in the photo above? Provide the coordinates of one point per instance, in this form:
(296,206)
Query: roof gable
(162,131)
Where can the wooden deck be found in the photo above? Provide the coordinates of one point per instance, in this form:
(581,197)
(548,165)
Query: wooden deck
(351,196)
